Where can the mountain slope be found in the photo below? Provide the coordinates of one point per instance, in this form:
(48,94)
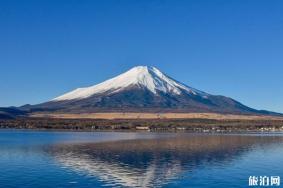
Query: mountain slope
(142,89)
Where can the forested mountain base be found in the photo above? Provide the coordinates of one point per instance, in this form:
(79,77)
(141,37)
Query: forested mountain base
(196,125)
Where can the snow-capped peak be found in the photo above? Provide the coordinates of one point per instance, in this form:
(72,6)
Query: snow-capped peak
(142,76)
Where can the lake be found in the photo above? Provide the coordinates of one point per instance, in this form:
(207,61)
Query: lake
(142,159)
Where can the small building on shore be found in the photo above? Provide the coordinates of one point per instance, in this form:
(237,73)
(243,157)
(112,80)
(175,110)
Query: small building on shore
(142,128)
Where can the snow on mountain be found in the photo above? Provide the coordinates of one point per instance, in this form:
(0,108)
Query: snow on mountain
(142,76)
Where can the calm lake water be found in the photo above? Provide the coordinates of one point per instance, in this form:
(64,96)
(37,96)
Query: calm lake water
(113,159)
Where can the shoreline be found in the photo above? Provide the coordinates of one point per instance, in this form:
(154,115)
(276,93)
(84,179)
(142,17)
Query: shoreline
(151,125)
(242,132)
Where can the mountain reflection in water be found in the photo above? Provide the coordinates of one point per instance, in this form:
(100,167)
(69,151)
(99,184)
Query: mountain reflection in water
(154,162)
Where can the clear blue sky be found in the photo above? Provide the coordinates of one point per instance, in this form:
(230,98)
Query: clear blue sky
(227,47)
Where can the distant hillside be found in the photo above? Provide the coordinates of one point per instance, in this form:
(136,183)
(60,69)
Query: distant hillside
(11,113)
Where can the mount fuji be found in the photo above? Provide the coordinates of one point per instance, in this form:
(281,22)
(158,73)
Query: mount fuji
(142,89)
(143,77)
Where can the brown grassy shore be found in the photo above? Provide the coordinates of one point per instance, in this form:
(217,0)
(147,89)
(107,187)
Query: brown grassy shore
(112,116)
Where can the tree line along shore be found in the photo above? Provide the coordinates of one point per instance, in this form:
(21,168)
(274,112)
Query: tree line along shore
(195,125)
